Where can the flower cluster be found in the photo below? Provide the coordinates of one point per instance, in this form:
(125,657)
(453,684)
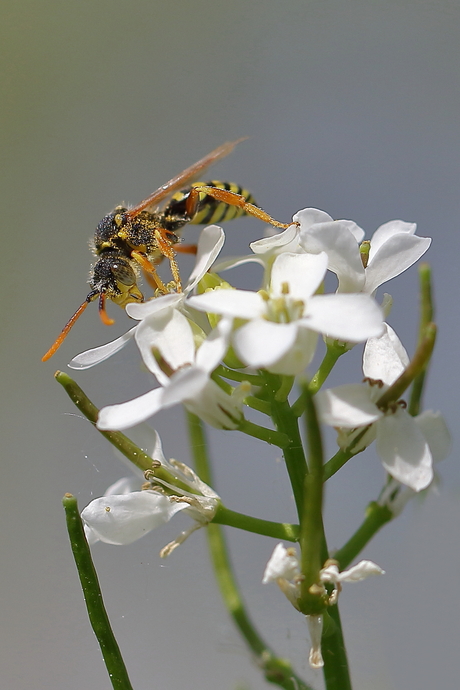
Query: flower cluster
(221,350)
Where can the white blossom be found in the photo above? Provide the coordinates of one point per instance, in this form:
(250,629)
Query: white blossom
(283,568)
(394,247)
(400,441)
(283,323)
(126,513)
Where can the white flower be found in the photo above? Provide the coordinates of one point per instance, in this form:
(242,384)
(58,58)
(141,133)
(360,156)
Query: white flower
(126,513)
(267,249)
(283,324)
(209,245)
(284,569)
(400,440)
(183,372)
(393,248)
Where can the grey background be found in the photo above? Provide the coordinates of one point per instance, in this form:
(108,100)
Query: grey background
(350,107)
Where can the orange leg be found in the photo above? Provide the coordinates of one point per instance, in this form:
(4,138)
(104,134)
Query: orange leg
(155,280)
(185,248)
(164,245)
(231,199)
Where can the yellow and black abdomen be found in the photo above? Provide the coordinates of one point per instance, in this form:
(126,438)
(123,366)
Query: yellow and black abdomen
(208,210)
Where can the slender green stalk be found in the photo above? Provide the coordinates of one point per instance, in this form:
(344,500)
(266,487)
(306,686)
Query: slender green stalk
(336,675)
(415,367)
(275,438)
(277,530)
(257,404)
(93,597)
(376,517)
(276,670)
(426,316)
(333,352)
(311,525)
(227,373)
(120,441)
(287,424)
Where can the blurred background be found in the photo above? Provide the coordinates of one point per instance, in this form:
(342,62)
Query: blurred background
(349,107)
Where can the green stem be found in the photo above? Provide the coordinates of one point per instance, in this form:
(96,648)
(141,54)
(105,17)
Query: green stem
(257,404)
(277,530)
(275,438)
(93,597)
(312,536)
(426,316)
(333,352)
(240,376)
(336,675)
(287,424)
(276,670)
(376,517)
(120,441)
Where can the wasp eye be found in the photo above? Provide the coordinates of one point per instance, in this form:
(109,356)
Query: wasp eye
(123,274)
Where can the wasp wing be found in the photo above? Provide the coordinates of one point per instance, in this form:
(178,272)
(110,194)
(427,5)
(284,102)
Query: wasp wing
(181,180)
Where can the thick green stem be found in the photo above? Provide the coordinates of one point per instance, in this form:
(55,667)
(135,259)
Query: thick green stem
(376,517)
(312,539)
(287,424)
(93,597)
(276,670)
(277,530)
(274,438)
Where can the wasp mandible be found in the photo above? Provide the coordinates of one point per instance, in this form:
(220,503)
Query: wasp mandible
(128,239)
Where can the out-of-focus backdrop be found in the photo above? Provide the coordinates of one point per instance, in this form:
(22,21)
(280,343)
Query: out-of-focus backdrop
(349,107)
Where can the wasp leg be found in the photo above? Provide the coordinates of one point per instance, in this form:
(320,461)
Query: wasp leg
(105,318)
(155,280)
(164,245)
(186,248)
(231,199)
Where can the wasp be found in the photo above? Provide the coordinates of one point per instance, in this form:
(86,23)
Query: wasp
(129,239)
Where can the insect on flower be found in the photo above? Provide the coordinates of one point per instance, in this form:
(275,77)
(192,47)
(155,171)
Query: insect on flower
(129,239)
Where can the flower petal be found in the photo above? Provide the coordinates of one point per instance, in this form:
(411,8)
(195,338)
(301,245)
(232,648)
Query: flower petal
(393,257)
(347,317)
(261,343)
(282,563)
(385,358)
(436,433)
(341,246)
(154,305)
(347,406)
(125,415)
(303,274)
(169,332)
(238,303)
(88,359)
(123,519)
(404,452)
(210,243)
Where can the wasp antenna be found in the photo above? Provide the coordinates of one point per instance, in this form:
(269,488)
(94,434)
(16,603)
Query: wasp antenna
(105,318)
(60,339)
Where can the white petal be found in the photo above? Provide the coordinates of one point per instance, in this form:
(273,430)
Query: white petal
(388,230)
(404,452)
(125,415)
(283,563)
(309,216)
(347,406)
(209,245)
(315,626)
(154,305)
(360,571)
(169,332)
(261,343)
(123,519)
(240,303)
(185,384)
(233,262)
(342,249)
(303,274)
(299,355)
(276,242)
(214,348)
(88,359)
(343,316)
(394,257)
(436,433)
(385,358)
